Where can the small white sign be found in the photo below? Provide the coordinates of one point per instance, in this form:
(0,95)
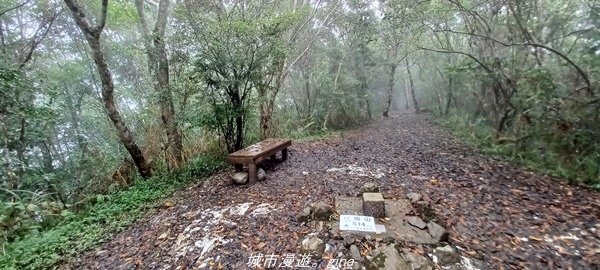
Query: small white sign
(357,223)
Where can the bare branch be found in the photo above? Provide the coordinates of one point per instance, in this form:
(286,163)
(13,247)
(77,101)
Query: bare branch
(13,8)
(306,22)
(161,21)
(39,37)
(139,6)
(80,17)
(310,43)
(487,69)
(561,55)
(102,17)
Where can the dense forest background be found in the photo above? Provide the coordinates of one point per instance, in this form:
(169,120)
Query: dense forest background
(97,95)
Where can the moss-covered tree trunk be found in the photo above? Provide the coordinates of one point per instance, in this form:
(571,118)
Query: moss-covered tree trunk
(412,87)
(92,36)
(158,64)
(390,91)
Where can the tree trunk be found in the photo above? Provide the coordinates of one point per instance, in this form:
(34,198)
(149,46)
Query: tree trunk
(450,95)
(112,111)
(175,144)
(21,152)
(10,175)
(92,36)
(386,109)
(266,119)
(364,85)
(74,107)
(306,77)
(2,40)
(330,101)
(58,147)
(46,157)
(239,127)
(406,95)
(158,64)
(368,100)
(440,101)
(412,88)
(267,101)
(267,105)
(438,91)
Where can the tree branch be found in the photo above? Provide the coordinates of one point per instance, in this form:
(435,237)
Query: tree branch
(161,20)
(38,38)
(102,17)
(139,6)
(561,55)
(487,69)
(13,8)
(310,43)
(80,17)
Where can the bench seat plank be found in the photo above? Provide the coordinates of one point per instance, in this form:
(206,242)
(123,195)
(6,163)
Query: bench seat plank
(259,151)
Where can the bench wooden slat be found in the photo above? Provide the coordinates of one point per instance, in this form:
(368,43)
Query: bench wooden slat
(258,152)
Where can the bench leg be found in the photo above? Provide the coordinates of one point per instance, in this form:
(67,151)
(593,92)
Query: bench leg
(273,157)
(284,154)
(252,173)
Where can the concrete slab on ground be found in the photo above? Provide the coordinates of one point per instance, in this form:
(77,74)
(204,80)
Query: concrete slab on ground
(395,225)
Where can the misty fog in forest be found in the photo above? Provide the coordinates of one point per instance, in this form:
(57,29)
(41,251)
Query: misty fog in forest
(102,98)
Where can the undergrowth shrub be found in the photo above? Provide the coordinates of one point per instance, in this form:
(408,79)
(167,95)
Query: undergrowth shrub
(538,149)
(77,232)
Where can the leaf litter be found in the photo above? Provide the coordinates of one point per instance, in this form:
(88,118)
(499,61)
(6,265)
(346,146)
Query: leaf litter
(496,212)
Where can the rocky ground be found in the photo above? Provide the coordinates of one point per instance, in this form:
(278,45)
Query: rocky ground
(498,215)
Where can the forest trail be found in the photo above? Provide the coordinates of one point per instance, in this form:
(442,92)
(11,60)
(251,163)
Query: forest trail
(497,213)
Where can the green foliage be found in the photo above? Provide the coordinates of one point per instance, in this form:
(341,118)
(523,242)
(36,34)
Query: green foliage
(540,152)
(290,127)
(122,14)
(525,102)
(107,215)
(26,212)
(240,52)
(330,65)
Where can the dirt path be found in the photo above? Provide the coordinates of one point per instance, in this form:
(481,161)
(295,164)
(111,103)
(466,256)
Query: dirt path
(498,213)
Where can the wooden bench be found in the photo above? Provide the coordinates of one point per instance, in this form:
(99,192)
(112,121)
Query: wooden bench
(253,154)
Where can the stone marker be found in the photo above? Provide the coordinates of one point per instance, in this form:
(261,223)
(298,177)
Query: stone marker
(357,223)
(373,205)
(437,232)
(395,225)
(240,178)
